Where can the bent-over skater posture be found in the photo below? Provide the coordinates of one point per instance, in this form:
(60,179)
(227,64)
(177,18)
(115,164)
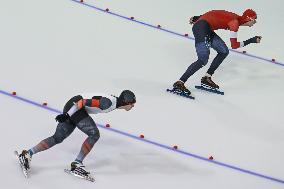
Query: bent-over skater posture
(205,38)
(76,114)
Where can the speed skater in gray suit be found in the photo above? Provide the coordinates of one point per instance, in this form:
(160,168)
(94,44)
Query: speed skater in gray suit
(76,114)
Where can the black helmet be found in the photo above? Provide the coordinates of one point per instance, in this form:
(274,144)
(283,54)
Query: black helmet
(126,97)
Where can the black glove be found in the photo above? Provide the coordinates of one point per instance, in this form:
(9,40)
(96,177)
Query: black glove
(193,19)
(62,117)
(252,40)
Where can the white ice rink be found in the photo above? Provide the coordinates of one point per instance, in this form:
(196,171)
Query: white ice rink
(52,50)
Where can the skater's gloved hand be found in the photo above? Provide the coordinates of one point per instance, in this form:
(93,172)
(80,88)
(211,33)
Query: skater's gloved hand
(193,19)
(62,117)
(255,39)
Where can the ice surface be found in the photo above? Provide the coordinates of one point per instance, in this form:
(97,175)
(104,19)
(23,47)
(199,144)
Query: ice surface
(52,50)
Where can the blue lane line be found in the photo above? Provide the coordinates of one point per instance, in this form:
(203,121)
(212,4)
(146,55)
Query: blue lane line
(127,18)
(154,143)
(30,102)
(257,57)
(194,155)
(172,32)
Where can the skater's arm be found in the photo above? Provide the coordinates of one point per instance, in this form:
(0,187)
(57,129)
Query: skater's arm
(80,104)
(255,39)
(88,102)
(235,44)
(234,27)
(100,102)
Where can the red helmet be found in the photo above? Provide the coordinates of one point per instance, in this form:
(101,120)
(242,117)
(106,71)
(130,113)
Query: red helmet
(248,15)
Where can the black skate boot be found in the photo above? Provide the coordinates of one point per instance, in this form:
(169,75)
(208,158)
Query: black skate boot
(25,159)
(79,168)
(179,87)
(207,82)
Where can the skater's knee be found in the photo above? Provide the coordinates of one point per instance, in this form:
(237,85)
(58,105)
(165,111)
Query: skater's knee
(95,135)
(223,55)
(224,52)
(58,138)
(202,61)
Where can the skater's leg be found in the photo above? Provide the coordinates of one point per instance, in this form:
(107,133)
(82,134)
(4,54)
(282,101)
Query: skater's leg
(63,130)
(202,34)
(88,126)
(203,53)
(219,45)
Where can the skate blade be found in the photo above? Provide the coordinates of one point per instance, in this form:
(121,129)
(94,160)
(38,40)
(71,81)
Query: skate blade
(88,178)
(24,170)
(209,89)
(180,93)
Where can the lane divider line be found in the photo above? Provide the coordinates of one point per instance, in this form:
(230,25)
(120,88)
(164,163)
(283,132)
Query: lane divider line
(273,61)
(153,142)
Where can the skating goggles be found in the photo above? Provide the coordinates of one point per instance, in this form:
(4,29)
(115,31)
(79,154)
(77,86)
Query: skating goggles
(251,19)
